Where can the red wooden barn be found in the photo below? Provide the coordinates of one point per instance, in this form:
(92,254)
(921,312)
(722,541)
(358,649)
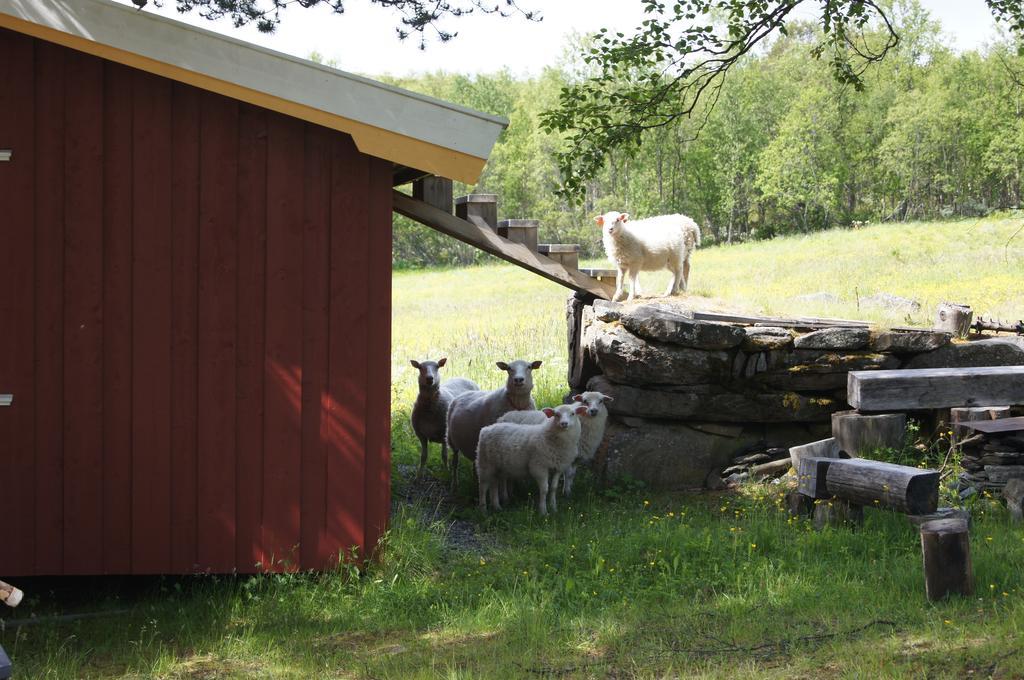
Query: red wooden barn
(195,299)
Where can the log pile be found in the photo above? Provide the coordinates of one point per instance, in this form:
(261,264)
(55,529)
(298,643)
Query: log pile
(990,460)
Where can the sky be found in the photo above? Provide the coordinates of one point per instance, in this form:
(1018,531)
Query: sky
(363,39)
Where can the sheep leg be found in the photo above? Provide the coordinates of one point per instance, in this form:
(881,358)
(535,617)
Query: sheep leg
(506,493)
(423,457)
(673,284)
(685,281)
(455,470)
(567,479)
(495,500)
(444,452)
(483,487)
(542,491)
(620,281)
(556,477)
(632,284)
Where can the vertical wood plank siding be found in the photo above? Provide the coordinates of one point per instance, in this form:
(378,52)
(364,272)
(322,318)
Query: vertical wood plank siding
(195,303)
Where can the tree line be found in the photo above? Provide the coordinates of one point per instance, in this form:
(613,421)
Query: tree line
(781,147)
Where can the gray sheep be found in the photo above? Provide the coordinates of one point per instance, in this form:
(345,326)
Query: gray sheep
(430,412)
(472,411)
(543,452)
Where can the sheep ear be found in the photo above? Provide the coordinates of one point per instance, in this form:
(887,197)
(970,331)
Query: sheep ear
(549,412)
(624,218)
(502,365)
(442,361)
(577,397)
(605,398)
(415,364)
(600,220)
(535,365)
(581,410)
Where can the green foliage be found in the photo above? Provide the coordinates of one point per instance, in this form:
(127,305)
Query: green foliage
(786,149)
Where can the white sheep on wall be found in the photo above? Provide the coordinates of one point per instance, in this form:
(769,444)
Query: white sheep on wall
(664,242)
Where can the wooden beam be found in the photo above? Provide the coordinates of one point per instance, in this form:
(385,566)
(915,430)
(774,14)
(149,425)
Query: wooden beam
(437,191)
(489,242)
(874,483)
(928,388)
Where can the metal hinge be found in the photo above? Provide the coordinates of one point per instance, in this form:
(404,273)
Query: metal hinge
(6,155)
(6,399)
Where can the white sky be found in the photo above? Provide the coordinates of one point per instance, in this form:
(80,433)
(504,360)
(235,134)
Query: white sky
(363,39)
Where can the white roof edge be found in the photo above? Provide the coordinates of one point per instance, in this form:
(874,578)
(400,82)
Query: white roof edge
(303,82)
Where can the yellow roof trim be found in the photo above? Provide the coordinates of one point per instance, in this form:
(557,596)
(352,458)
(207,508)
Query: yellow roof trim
(369,139)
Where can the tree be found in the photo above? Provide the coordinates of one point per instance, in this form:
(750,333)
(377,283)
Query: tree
(680,56)
(417,16)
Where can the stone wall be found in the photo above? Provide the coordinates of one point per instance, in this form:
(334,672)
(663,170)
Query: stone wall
(690,395)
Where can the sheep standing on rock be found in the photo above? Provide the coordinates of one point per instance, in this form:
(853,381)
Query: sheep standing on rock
(472,411)
(430,412)
(664,242)
(509,451)
(592,424)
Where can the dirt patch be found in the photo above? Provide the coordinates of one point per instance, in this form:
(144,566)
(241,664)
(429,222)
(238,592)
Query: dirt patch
(430,497)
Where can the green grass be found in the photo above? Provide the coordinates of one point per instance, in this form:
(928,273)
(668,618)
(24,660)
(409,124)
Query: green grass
(622,582)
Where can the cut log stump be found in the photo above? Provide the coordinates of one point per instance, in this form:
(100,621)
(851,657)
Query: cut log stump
(946,548)
(836,512)
(871,482)
(954,318)
(858,433)
(799,505)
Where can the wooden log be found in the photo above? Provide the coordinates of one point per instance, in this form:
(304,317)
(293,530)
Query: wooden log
(871,482)
(799,505)
(825,448)
(811,475)
(1013,492)
(858,433)
(10,595)
(954,318)
(837,512)
(772,469)
(436,191)
(972,414)
(946,549)
(933,388)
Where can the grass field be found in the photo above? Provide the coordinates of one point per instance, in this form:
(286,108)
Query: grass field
(621,583)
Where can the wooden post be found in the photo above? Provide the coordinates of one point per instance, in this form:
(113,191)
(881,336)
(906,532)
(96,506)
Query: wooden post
(858,433)
(10,595)
(836,512)
(799,505)
(972,414)
(954,318)
(1013,492)
(946,548)
(480,209)
(437,191)
(871,482)
(811,475)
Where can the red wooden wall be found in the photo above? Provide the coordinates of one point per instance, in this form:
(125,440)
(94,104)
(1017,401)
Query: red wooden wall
(194,322)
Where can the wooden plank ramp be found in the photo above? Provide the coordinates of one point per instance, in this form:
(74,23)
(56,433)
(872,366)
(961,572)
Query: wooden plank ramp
(928,388)
(487,240)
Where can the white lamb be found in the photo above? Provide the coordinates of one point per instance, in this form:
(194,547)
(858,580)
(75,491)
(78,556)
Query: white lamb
(664,242)
(472,411)
(592,425)
(513,451)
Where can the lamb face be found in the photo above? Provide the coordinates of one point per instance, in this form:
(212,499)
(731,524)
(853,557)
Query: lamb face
(430,376)
(520,376)
(592,401)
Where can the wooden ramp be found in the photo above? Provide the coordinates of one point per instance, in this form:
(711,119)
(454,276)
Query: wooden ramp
(479,234)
